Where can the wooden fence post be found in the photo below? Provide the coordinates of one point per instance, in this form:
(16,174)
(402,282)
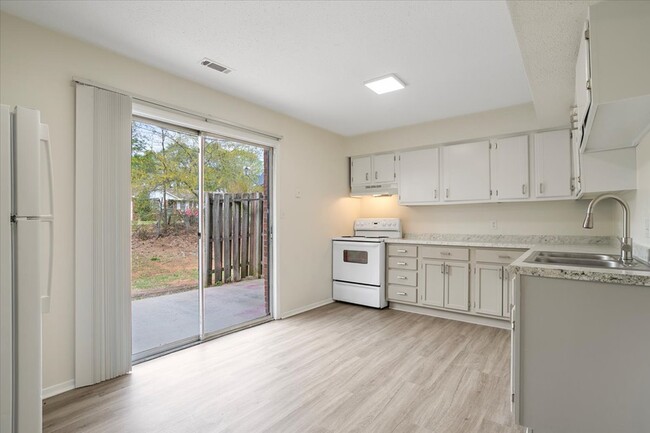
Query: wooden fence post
(236,237)
(206,230)
(217,200)
(226,238)
(233,244)
(245,206)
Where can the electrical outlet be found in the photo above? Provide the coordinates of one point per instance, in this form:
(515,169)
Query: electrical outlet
(493,224)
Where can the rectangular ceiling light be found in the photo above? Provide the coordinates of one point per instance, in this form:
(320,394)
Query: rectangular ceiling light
(385,84)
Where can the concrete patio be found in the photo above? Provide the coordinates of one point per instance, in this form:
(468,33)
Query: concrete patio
(164,319)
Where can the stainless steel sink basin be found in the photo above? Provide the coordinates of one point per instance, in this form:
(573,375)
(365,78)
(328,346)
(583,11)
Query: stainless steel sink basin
(588,260)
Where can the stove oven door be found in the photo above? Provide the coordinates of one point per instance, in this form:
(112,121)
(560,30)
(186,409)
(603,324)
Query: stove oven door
(358,262)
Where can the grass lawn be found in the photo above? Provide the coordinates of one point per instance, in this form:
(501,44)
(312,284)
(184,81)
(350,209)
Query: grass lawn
(164,264)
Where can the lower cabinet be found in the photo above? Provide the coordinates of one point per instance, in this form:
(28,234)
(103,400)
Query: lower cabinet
(402,273)
(489,289)
(439,277)
(434,283)
(446,284)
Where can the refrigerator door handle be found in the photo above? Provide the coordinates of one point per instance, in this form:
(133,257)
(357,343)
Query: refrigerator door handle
(45,298)
(45,137)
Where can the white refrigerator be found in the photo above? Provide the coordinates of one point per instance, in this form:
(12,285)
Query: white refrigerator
(26,223)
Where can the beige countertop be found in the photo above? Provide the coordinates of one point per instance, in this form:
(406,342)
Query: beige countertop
(603,275)
(543,243)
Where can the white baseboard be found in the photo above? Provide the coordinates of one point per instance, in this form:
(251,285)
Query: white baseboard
(57,389)
(477,320)
(306,308)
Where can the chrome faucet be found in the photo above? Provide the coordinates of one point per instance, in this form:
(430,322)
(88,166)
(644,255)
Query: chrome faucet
(626,240)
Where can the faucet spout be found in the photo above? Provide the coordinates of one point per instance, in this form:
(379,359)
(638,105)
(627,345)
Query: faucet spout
(626,240)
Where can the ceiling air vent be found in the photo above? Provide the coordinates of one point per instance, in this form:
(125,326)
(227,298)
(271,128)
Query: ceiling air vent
(216,66)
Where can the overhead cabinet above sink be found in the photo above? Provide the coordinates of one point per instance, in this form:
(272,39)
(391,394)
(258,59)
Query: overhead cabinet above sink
(528,166)
(612,93)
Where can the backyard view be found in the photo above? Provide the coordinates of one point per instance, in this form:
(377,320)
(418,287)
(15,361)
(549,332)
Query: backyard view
(165,222)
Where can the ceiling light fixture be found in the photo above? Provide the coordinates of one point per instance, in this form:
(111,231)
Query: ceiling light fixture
(385,84)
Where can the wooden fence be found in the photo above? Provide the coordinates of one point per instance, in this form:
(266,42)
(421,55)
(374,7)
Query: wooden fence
(233,237)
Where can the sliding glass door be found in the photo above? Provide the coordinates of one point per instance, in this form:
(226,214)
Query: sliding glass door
(164,237)
(235,241)
(200,237)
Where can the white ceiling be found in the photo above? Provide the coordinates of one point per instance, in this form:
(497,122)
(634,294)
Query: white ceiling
(309,59)
(549,36)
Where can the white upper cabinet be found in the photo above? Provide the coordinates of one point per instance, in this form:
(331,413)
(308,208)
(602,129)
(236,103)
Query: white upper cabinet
(361,170)
(509,167)
(384,168)
(373,174)
(583,84)
(614,60)
(608,171)
(466,172)
(553,164)
(419,176)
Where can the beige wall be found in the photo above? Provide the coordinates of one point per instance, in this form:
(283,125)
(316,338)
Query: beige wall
(543,218)
(639,200)
(36,68)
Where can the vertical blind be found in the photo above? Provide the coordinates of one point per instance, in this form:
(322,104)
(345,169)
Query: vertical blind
(102,235)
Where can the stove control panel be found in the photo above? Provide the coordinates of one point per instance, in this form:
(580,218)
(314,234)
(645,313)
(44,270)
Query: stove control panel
(390,227)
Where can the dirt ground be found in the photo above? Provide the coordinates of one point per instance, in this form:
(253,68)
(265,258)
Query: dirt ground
(164,264)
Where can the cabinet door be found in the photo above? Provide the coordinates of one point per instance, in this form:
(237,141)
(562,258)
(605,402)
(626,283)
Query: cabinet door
(418,176)
(466,171)
(583,87)
(434,283)
(384,168)
(575,158)
(457,286)
(509,160)
(507,293)
(360,169)
(553,164)
(489,289)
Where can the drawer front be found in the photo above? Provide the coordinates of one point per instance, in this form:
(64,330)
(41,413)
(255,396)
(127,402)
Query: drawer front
(445,253)
(498,256)
(403,250)
(403,277)
(403,263)
(402,293)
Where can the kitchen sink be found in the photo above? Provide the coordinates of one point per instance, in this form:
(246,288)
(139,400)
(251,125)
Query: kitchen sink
(588,260)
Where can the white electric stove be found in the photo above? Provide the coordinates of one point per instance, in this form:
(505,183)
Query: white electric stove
(358,262)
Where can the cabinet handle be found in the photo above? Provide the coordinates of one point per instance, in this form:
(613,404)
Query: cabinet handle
(401,277)
(401,293)
(447,269)
(446,192)
(523,189)
(541,188)
(442,269)
(445,253)
(435,193)
(401,251)
(501,274)
(366,176)
(506,275)
(401,263)
(375,175)
(504,257)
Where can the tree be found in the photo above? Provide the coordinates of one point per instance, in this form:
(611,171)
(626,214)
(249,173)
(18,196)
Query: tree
(167,161)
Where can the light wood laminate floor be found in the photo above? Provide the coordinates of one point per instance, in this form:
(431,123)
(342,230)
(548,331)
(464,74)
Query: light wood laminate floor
(339,368)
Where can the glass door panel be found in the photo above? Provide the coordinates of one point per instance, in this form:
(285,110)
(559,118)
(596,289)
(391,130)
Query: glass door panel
(164,242)
(235,233)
